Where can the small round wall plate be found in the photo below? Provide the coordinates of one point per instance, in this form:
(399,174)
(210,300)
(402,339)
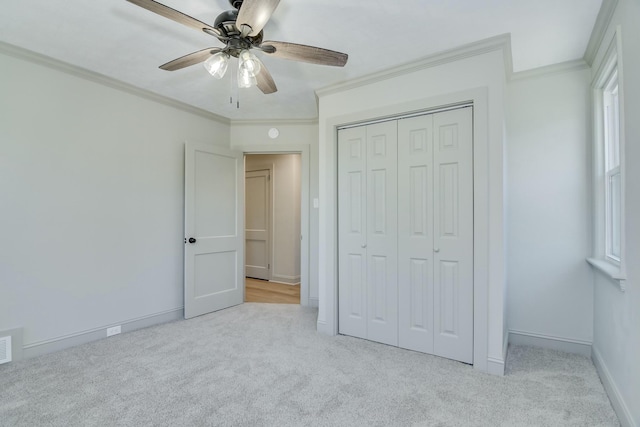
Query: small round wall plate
(273,133)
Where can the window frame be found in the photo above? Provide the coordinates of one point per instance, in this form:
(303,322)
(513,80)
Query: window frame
(611,144)
(607,88)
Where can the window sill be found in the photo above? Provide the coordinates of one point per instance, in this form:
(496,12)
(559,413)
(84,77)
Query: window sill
(612,271)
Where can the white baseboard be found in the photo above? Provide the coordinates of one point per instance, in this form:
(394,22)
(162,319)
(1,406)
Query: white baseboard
(495,366)
(16,343)
(554,343)
(505,345)
(618,403)
(287,280)
(324,328)
(284,283)
(72,340)
(314,302)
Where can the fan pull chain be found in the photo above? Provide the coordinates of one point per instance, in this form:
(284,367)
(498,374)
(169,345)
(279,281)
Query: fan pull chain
(234,87)
(230,88)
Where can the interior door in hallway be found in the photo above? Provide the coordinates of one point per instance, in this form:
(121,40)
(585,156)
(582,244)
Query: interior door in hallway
(258,224)
(214,218)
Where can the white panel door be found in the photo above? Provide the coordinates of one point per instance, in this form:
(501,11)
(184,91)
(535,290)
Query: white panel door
(352,229)
(382,234)
(257,224)
(214,218)
(367,212)
(415,233)
(453,235)
(405,220)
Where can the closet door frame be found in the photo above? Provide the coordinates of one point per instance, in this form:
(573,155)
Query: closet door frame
(488,245)
(418,193)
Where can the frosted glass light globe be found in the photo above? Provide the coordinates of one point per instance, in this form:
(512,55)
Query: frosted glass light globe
(217,64)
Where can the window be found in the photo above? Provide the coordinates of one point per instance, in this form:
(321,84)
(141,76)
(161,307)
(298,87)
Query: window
(612,184)
(608,95)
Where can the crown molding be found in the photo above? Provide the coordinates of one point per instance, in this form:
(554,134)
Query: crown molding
(562,67)
(83,73)
(501,42)
(508,57)
(274,122)
(599,28)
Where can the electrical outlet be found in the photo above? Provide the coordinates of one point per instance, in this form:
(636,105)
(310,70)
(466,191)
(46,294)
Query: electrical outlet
(114,330)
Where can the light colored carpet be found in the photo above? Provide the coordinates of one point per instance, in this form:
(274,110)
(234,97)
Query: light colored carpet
(264,364)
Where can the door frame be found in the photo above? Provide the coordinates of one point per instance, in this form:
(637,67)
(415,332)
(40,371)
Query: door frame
(303,150)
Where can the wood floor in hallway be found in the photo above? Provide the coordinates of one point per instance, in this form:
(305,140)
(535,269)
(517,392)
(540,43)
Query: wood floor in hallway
(269,292)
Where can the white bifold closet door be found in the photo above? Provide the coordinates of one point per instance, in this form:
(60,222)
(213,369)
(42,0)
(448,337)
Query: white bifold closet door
(435,236)
(406,233)
(368,223)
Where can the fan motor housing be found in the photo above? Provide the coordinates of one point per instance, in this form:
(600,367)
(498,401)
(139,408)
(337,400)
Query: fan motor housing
(227,20)
(226,23)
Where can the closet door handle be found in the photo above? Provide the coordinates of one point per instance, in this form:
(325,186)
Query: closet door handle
(364,245)
(436,250)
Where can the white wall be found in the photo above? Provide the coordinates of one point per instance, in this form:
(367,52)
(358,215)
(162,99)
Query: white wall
(285,204)
(92,191)
(406,90)
(616,340)
(548,189)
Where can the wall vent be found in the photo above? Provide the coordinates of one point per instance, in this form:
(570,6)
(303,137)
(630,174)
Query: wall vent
(5,349)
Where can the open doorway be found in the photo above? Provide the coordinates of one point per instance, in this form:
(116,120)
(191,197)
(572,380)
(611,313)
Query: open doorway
(273,228)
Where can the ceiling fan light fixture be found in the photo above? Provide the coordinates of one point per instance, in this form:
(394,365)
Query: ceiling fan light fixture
(240,30)
(248,63)
(246,79)
(217,64)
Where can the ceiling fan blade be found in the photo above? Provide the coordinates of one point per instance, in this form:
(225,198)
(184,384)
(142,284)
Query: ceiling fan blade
(304,53)
(255,14)
(177,16)
(265,81)
(190,59)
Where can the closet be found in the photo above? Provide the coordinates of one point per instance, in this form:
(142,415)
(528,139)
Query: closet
(405,227)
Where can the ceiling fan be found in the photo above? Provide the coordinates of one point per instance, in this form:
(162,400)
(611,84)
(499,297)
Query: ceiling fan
(241,30)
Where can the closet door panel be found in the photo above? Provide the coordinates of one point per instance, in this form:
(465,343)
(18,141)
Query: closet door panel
(415,233)
(405,210)
(453,235)
(352,229)
(382,223)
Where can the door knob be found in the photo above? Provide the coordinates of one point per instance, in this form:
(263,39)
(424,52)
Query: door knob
(364,245)
(436,250)
(192,240)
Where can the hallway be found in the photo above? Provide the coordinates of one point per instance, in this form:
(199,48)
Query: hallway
(269,292)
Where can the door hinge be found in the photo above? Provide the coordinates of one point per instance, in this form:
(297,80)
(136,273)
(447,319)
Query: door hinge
(268,177)
(268,266)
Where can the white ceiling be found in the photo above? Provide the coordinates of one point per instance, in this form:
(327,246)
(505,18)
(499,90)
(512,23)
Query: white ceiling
(128,43)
